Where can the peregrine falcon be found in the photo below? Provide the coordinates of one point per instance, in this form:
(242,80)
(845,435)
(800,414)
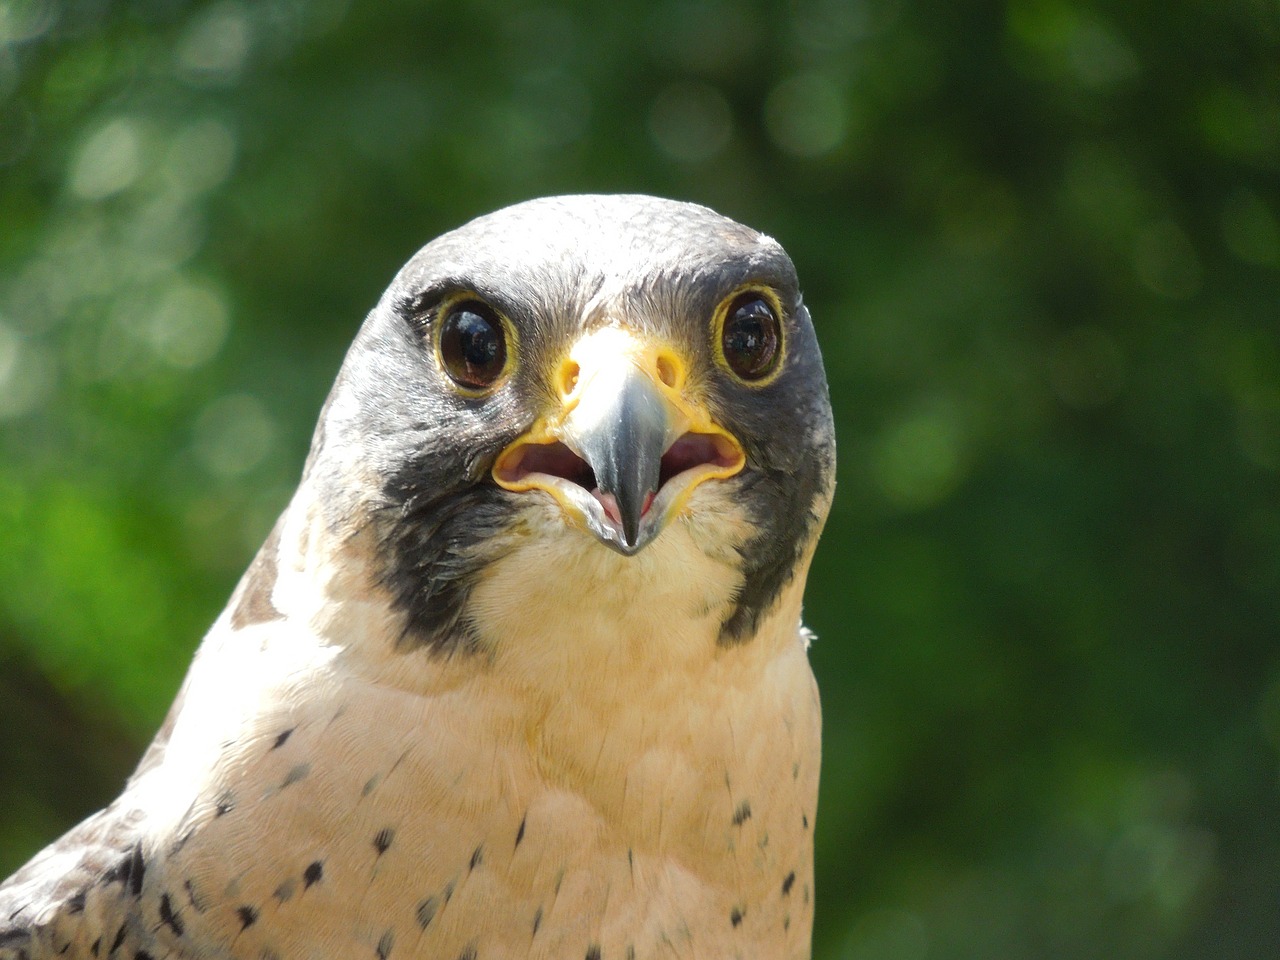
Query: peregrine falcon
(520,670)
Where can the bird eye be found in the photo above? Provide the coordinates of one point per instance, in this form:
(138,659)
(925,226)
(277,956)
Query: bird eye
(750,337)
(473,347)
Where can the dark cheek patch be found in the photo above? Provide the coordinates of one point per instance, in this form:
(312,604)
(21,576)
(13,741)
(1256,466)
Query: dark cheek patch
(782,507)
(437,537)
(790,443)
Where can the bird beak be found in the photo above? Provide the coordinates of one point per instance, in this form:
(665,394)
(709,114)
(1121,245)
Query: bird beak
(626,447)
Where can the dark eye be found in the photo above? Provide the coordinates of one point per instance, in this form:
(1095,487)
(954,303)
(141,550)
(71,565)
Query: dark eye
(473,344)
(750,337)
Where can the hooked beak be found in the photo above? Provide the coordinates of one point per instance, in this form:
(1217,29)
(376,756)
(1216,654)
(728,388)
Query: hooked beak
(625,448)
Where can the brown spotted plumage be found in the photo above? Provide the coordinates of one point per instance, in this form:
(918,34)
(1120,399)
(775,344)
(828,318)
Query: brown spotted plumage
(520,670)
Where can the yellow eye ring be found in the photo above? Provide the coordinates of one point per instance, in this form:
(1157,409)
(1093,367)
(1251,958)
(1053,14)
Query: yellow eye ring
(474,344)
(747,335)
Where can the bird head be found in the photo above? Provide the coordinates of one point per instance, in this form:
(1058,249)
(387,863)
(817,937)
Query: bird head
(620,380)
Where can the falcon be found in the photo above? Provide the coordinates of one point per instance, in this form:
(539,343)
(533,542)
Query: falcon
(520,670)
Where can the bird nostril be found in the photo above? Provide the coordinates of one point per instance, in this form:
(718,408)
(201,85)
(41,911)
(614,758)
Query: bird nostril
(569,377)
(668,371)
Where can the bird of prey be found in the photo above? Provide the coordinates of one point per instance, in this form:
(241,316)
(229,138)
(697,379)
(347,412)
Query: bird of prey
(520,671)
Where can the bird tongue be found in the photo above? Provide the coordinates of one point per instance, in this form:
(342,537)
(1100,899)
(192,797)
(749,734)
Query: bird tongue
(610,504)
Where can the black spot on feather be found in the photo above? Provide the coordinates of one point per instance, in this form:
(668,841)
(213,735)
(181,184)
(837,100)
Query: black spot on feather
(283,738)
(385,943)
(520,832)
(382,840)
(197,902)
(736,915)
(248,916)
(313,873)
(788,883)
(426,911)
(593,952)
(742,814)
(137,870)
(129,871)
(477,857)
(115,944)
(168,916)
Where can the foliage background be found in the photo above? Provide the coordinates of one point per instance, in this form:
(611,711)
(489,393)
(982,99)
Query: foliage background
(1040,241)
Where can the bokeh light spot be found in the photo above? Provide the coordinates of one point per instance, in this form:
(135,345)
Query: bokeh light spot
(233,435)
(27,374)
(831,24)
(1258,433)
(691,122)
(917,462)
(1086,367)
(558,105)
(706,37)
(1250,229)
(1165,261)
(109,161)
(201,155)
(805,115)
(189,324)
(1103,191)
(1239,123)
(1077,45)
(1097,55)
(215,45)
(22,21)
(161,236)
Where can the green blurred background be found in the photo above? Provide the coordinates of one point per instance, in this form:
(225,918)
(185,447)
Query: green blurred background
(1041,243)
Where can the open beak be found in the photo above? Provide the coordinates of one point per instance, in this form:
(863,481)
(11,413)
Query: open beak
(625,448)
